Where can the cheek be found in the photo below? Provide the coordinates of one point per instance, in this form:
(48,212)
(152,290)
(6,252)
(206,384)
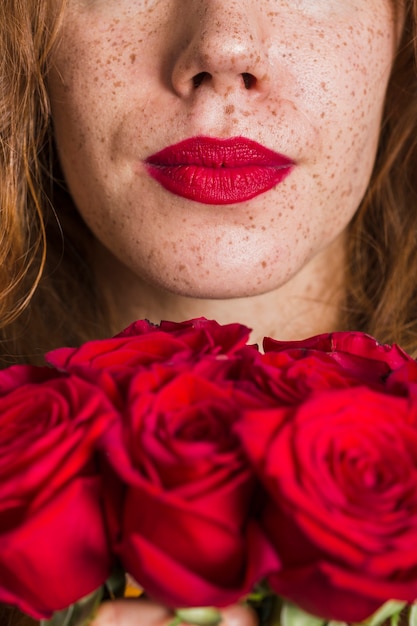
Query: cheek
(94,75)
(348,108)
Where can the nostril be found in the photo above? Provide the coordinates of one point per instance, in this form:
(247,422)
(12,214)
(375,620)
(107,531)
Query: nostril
(198,79)
(249,80)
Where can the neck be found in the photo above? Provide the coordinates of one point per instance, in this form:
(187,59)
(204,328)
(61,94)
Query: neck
(307,305)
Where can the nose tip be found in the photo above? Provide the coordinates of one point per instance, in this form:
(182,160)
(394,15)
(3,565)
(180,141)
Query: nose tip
(224,50)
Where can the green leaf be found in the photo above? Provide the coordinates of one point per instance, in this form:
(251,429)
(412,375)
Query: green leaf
(394,620)
(412,618)
(266,605)
(116,583)
(260,591)
(387,611)
(292,615)
(78,614)
(202,616)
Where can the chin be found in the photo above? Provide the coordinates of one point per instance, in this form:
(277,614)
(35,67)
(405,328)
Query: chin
(216,290)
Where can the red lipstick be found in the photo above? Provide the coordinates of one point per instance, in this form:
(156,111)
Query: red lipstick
(218,171)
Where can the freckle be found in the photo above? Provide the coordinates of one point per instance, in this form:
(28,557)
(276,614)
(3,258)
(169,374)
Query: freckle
(229,109)
(132,58)
(181,268)
(264,264)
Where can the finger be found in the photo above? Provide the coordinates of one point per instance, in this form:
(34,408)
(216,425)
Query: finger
(239,615)
(136,612)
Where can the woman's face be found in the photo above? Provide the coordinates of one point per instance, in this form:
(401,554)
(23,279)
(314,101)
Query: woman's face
(304,79)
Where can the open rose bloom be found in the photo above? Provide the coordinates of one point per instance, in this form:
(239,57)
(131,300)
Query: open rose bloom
(337,457)
(204,467)
(54,545)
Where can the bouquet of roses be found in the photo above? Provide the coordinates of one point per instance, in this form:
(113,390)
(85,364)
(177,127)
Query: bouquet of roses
(211,473)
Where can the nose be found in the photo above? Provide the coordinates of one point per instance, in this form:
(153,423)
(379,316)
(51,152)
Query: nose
(222,47)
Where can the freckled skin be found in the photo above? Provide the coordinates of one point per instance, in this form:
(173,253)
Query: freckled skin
(305,78)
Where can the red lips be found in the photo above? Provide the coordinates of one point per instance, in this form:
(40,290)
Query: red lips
(218,171)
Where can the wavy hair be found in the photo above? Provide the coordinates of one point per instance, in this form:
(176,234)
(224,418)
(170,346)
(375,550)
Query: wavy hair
(46,287)
(381,284)
(24,110)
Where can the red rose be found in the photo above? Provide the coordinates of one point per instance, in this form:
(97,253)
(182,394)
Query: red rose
(186,533)
(358,353)
(201,335)
(339,467)
(143,344)
(53,543)
(289,370)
